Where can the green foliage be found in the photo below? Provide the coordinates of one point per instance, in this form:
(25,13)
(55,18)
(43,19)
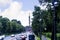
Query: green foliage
(37,38)
(58,27)
(47,19)
(36,23)
(48,35)
(7,26)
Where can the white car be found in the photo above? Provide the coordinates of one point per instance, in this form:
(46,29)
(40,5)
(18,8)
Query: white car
(12,35)
(2,37)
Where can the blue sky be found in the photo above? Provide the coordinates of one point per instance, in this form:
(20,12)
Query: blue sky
(28,4)
(17,9)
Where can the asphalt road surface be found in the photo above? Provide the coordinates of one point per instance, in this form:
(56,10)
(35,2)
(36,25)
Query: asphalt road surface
(18,36)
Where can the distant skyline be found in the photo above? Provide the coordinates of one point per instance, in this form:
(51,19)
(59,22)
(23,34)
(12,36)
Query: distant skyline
(18,9)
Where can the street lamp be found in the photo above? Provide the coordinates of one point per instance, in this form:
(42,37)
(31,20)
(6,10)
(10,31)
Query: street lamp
(54,5)
(53,8)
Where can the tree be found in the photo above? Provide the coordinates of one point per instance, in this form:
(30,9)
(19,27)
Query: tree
(58,28)
(16,26)
(49,17)
(9,27)
(4,23)
(16,21)
(13,26)
(1,28)
(37,20)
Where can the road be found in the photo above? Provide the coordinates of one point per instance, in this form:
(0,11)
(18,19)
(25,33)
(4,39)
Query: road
(17,36)
(9,38)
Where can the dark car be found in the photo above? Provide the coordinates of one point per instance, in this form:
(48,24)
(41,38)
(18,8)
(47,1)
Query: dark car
(31,37)
(24,38)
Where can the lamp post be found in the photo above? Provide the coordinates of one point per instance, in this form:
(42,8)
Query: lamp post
(53,8)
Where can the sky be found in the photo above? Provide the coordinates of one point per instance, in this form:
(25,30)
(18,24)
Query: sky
(17,9)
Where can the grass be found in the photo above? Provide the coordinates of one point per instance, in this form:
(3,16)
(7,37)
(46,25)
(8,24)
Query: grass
(38,38)
(48,38)
(58,36)
(49,35)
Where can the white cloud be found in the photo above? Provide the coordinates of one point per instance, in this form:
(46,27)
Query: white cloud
(15,12)
(3,3)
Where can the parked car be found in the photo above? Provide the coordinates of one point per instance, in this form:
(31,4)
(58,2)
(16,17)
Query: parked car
(2,37)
